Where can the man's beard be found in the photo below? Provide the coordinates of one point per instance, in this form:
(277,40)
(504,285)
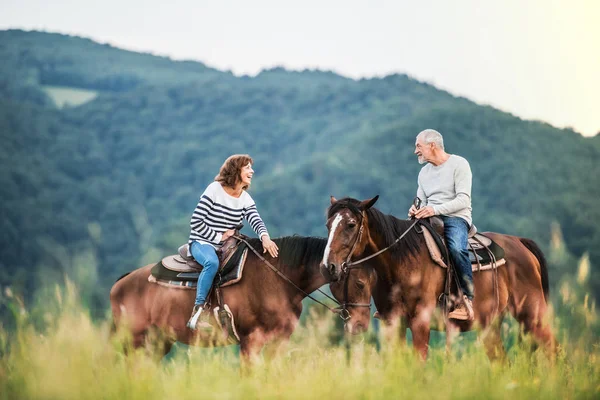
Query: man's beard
(421,160)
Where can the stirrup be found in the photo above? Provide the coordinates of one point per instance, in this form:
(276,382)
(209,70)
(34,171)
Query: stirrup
(463,312)
(196,313)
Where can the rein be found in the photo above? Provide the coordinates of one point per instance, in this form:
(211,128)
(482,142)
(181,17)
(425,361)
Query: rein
(340,310)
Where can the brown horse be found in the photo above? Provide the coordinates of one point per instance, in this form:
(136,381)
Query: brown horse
(266,307)
(409,283)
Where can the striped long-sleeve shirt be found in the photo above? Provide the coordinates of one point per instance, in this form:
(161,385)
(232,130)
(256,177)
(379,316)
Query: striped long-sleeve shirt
(218,211)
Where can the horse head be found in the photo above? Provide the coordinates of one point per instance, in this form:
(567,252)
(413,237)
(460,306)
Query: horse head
(348,237)
(353,292)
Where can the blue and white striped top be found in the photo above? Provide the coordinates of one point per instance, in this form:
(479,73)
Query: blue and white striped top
(218,211)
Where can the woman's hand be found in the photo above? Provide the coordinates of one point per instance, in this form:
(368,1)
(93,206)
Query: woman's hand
(227,234)
(270,246)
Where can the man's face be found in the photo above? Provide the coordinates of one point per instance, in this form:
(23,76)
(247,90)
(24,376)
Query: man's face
(424,151)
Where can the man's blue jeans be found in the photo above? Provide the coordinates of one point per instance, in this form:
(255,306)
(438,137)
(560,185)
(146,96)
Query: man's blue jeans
(456,232)
(206,255)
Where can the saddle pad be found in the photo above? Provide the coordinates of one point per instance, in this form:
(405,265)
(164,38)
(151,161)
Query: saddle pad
(232,273)
(227,275)
(173,284)
(477,252)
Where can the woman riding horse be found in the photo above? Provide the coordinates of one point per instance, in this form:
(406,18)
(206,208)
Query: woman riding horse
(266,307)
(222,206)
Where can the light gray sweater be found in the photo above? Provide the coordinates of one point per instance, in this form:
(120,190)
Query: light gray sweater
(447,187)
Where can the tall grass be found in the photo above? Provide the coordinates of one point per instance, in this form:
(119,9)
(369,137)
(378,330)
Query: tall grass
(63,354)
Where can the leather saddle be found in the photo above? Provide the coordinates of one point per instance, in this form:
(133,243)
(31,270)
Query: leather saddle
(183,261)
(182,271)
(484,253)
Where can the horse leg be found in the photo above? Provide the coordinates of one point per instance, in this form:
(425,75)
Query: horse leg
(275,348)
(452,332)
(492,340)
(136,334)
(157,342)
(530,312)
(402,329)
(393,329)
(250,347)
(419,325)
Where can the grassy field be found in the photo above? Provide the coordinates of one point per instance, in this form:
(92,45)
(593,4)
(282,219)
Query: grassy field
(60,353)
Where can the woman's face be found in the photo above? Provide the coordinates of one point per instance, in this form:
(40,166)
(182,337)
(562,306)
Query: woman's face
(246,174)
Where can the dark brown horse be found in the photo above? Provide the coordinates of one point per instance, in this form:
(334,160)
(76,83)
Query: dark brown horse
(265,306)
(409,283)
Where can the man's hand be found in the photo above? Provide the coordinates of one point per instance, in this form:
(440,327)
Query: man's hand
(270,246)
(227,234)
(424,212)
(412,211)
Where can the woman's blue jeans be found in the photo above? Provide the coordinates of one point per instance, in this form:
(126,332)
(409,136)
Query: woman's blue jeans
(206,255)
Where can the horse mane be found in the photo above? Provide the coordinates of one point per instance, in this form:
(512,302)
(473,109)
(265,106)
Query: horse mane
(295,250)
(390,227)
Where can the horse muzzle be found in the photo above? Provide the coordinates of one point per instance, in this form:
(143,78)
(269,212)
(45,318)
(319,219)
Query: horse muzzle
(354,328)
(331,272)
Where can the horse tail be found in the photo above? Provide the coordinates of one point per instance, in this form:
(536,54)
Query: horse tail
(537,252)
(115,295)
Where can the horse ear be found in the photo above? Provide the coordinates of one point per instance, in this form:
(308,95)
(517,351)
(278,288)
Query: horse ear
(333,200)
(365,205)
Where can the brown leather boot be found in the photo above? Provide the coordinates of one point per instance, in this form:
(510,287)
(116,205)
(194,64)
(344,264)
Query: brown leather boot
(464,311)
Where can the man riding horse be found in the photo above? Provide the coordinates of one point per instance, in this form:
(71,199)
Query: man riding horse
(445,190)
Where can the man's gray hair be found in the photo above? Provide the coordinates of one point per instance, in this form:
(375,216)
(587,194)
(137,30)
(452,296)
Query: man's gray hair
(432,136)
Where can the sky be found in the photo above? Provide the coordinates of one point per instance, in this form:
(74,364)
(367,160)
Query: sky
(537,59)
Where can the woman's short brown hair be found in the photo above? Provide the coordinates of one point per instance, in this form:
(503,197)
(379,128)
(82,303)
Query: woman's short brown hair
(230,172)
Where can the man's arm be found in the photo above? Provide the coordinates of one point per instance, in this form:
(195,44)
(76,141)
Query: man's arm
(463,179)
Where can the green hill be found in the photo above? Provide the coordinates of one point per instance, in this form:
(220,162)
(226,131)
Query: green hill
(96,190)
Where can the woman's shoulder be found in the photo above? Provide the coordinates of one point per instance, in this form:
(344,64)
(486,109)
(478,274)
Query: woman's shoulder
(246,198)
(214,188)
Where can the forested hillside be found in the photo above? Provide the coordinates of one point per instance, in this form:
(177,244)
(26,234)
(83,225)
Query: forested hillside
(96,190)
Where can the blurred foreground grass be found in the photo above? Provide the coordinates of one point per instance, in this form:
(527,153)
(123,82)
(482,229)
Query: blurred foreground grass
(58,352)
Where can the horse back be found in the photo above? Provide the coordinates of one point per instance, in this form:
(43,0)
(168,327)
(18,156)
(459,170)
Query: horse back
(129,288)
(524,260)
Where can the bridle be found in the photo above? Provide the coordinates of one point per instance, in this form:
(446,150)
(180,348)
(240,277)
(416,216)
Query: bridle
(346,267)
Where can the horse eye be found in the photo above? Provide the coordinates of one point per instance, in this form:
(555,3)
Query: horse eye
(351,225)
(360,284)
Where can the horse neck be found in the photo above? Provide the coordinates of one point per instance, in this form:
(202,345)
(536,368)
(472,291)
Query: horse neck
(376,243)
(307,278)
(311,277)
